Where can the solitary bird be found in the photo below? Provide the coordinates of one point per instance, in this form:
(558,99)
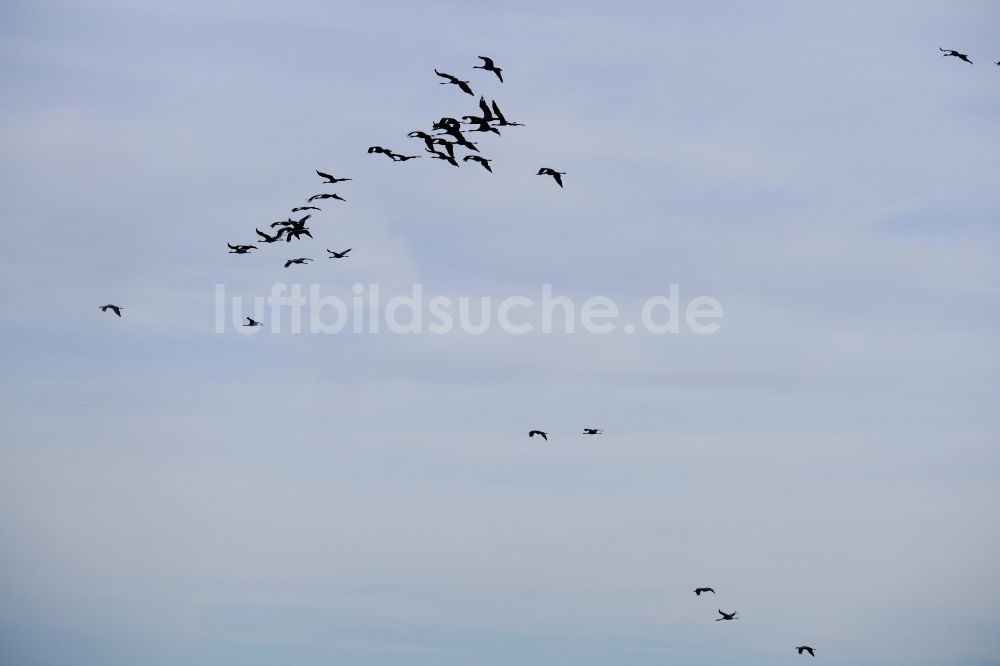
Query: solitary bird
(117,309)
(726,616)
(950,52)
(298,208)
(545,171)
(251,322)
(489,67)
(482,160)
(806,648)
(543,435)
(699,590)
(241,249)
(592,431)
(270,239)
(330,180)
(326,196)
(300,260)
(464,85)
(338,255)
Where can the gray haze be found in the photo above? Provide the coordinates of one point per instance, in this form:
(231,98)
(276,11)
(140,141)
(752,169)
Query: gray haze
(827,461)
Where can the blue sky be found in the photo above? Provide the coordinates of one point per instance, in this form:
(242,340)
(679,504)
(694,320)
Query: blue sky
(827,460)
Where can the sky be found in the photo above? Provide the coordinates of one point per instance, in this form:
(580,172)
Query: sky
(827,460)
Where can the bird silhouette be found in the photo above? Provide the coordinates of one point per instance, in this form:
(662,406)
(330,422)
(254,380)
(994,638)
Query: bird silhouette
(270,239)
(487,111)
(251,322)
(726,616)
(396,157)
(435,155)
(300,260)
(482,160)
(295,232)
(241,249)
(806,648)
(326,196)
(593,431)
(489,67)
(117,309)
(330,180)
(464,85)
(291,224)
(385,151)
(482,125)
(545,171)
(297,209)
(501,120)
(543,435)
(427,138)
(338,255)
(699,590)
(950,52)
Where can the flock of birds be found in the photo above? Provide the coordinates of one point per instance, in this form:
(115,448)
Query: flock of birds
(291,229)
(445,137)
(724,616)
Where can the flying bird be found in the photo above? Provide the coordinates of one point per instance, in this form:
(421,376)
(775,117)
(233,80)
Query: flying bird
(117,309)
(543,435)
(482,160)
(545,171)
(270,239)
(449,146)
(338,255)
(464,85)
(435,155)
(806,648)
(297,209)
(482,125)
(300,260)
(489,67)
(330,180)
(726,616)
(295,232)
(251,322)
(385,151)
(593,431)
(501,120)
(699,590)
(396,157)
(241,249)
(427,138)
(487,112)
(950,52)
(326,196)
